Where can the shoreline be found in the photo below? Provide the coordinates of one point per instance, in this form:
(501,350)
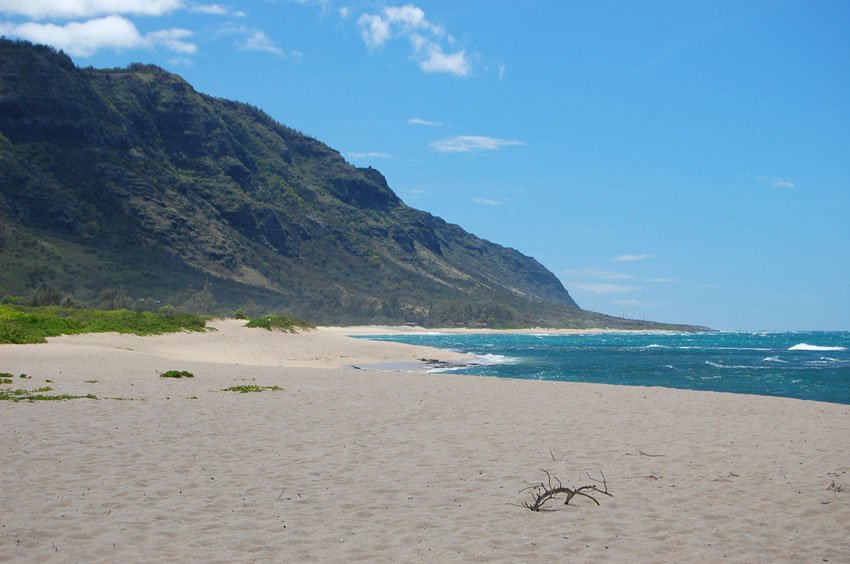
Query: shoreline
(343,464)
(365,330)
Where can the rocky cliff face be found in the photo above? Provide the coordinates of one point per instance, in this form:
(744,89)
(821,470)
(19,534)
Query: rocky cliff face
(130,178)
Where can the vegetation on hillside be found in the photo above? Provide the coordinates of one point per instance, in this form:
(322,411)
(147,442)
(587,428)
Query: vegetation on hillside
(128,186)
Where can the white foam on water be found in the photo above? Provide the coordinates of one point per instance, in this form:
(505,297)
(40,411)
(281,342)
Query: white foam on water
(808,347)
(655,346)
(735,366)
(490,359)
(446,369)
(774,359)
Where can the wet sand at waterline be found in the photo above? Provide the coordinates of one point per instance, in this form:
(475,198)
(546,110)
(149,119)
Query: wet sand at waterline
(376,465)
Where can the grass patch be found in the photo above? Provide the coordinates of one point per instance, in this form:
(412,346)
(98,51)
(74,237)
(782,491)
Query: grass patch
(176,374)
(244,389)
(39,394)
(5,380)
(24,325)
(280,323)
(91,381)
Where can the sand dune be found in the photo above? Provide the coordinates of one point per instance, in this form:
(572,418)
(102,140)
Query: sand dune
(363,465)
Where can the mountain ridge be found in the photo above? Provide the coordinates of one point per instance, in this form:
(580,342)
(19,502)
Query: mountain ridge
(130,178)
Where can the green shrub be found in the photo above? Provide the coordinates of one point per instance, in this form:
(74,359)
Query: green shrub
(21,325)
(176,374)
(244,389)
(279,322)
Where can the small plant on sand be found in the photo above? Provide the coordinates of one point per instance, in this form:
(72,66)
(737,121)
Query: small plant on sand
(38,395)
(280,323)
(5,380)
(552,488)
(244,389)
(176,374)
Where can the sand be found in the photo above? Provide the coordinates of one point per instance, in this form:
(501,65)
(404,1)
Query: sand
(365,465)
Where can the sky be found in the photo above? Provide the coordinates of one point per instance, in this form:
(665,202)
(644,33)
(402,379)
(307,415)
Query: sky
(679,161)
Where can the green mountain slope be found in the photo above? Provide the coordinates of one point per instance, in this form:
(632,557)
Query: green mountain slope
(129,178)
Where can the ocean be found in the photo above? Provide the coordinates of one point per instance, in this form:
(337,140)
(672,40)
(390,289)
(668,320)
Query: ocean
(803,365)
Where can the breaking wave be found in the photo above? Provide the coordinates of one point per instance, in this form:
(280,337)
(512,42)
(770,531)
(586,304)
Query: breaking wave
(808,347)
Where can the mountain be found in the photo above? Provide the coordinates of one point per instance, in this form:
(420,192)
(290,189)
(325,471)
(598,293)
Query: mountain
(127,182)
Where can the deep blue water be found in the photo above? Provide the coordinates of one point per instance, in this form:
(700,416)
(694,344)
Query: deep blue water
(804,365)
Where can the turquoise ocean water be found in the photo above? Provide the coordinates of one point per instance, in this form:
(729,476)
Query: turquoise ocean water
(804,365)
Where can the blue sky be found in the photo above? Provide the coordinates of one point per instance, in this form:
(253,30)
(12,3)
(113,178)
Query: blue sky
(675,160)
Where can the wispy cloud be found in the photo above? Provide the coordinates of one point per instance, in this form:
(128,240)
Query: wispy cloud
(662,280)
(68,9)
(501,71)
(426,38)
(776,182)
(259,41)
(211,9)
(782,183)
(216,10)
(368,155)
(603,288)
(632,258)
(466,143)
(114,32)
(488,202)
(419,121)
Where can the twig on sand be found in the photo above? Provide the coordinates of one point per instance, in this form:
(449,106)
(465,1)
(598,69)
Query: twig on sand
(543,492)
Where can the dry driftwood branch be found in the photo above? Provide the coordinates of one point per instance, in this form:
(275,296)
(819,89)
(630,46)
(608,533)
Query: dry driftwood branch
(552,488)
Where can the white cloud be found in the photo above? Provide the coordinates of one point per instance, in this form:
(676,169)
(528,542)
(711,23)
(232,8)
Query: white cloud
(662,280)
(368,155)
(344,12)
(259,41)
(212,9)
(66,9)
(466,143)
(603,288)
(424,36)
(419,121)
(438,61)
(488,202)
(632,258)
(173,40)
(776,182)
(85,38)
(374,30)
(217,10)
(501,71)
(782,183)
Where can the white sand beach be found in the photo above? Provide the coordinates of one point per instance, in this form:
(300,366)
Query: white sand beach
(367,465)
